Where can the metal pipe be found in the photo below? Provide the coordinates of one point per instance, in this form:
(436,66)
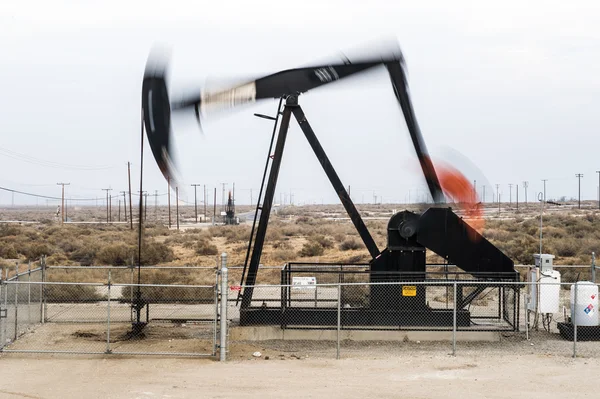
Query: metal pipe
(454,323)
(16,302)
(216,316)
(108,317)
(525,295)
(42,292)
(224,292)
(3,325)
(29,293)
(573,320)
(339,319)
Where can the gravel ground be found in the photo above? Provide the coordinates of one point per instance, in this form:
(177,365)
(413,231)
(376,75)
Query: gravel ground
(412,374)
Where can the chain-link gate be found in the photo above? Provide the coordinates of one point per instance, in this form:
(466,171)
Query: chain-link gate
(39,316)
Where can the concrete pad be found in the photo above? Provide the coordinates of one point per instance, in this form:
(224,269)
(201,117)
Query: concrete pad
(265,333)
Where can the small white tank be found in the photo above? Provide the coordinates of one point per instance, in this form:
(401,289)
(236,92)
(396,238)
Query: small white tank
(586,311)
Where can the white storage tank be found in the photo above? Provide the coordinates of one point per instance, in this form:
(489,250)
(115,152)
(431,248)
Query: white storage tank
(586,311)
(545,292)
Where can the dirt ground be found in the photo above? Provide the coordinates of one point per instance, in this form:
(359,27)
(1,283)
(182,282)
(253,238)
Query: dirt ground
(411,375)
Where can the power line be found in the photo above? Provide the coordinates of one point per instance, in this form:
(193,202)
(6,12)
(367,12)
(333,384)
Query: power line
(37,161)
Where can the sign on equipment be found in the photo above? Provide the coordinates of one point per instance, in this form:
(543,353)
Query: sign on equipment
(409,290)
(304,283)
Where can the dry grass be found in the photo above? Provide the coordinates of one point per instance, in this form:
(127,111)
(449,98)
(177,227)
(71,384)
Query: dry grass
(306,234)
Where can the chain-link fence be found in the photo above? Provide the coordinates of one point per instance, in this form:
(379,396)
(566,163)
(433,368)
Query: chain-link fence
(330,318)
(108,318)
(334,317)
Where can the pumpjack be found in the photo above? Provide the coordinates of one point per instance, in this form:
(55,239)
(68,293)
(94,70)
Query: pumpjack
(409,234)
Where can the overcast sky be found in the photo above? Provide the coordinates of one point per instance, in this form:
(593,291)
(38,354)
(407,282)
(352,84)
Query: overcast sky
(511,86)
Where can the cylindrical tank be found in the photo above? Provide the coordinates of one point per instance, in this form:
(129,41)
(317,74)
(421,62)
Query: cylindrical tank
(586,311)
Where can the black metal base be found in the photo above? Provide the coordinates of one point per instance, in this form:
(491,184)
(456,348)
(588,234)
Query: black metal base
(320,317)
(584,333)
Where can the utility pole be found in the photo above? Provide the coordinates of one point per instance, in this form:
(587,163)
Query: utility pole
(510,194)
(250,197)
(62,206)
(544,180)
(169,198)
(124,205)
(525,185)
(223,194)
(196,201)
(598,171)
(517,186)
(177,204)
(119,213)
(579,176)
(130,204)
(215,208)
(498,193)
(205,202)
(107,191)
(156,204)
(145,206)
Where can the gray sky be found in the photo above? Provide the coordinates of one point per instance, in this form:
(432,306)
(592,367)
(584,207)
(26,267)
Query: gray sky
(513,86)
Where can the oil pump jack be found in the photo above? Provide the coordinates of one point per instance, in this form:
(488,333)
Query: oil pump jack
(410,234)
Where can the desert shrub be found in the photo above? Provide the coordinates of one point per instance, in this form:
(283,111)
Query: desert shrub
(325,242)
(274,234)
(8,251)
(312,248)
(303,219)
(292,230)
(35,250)
(205,247)
(566,247)
(349,243)
(355,295)
(339,237)
(364,258)
(171,294)
(67,245)
(155,253)
(283,254)
(282,245)
(72,293)
(115,254)
(10,230)
(58,259)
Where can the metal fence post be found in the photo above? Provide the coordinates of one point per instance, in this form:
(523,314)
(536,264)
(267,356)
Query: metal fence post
(573,320)
(43,309)
(108,316)
(339,318)
(526,309)
(16,300)
(216,314)
(224,295)
(29,293)
(454,323)
(3,309)
(5,327)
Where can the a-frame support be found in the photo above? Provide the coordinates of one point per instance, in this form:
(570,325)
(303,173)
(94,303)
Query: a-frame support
(292,106)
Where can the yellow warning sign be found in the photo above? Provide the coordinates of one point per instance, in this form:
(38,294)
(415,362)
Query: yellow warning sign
(409,290)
